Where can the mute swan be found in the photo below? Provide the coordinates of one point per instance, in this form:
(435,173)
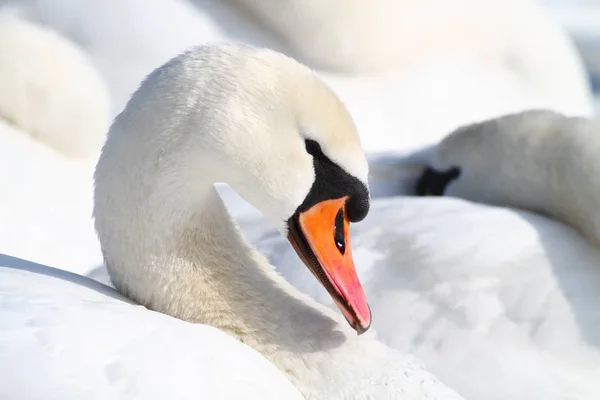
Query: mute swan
(271,129)
(51,90)
(500,303)
(53,119)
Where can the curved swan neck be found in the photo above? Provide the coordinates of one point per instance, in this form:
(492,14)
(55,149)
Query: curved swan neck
(198,267)
(166,237)
(228,284)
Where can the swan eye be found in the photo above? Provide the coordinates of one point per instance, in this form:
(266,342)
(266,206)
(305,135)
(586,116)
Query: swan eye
(338,235)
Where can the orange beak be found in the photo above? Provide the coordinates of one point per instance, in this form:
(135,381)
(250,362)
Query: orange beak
(321,237)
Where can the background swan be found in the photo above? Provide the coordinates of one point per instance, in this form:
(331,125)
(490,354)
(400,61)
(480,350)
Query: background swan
(537,160)
(126,40)
(498,302)
(363,36)
(414,104)
(50,90)
(53,117)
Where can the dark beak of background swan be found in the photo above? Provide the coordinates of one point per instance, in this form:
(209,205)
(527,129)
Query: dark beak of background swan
(434,183)
(321,238)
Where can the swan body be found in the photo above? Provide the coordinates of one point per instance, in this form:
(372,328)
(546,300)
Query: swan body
(65,336)
(269,127)
(498,302)
(50,90)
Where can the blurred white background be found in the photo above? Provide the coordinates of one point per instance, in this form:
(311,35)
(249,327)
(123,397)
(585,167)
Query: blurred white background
(581,19)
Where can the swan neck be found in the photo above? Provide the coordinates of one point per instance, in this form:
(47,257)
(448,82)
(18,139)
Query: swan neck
(203,270)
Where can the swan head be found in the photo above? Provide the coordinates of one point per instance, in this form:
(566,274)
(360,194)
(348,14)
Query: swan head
(497,160)
(259,122)
(537,160)
(471,158)
(319,231)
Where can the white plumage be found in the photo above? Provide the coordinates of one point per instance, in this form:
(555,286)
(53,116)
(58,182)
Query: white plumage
(498,302)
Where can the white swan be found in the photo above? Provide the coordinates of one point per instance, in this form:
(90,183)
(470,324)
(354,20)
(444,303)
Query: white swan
(53,120)
(50,90)
(499,303)
(271,129)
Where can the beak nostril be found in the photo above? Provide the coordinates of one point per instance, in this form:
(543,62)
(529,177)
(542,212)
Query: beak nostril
(338,232)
